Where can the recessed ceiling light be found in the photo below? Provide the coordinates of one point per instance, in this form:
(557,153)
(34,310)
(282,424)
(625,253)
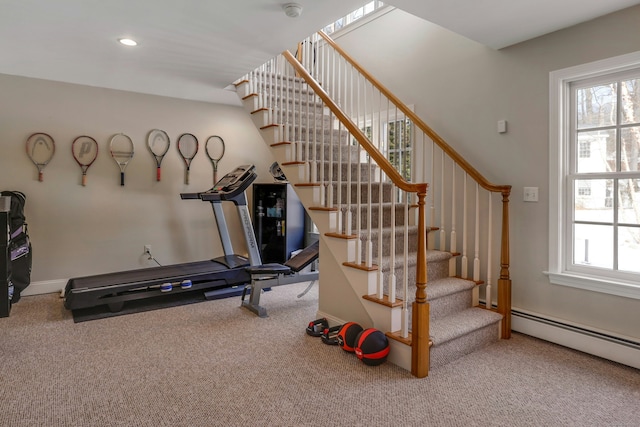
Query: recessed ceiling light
(128,42)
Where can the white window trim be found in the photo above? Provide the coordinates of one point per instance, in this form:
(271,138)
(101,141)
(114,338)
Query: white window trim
(558,161)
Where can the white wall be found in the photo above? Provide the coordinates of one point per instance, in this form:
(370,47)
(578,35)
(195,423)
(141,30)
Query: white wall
(103,227)
(461,89)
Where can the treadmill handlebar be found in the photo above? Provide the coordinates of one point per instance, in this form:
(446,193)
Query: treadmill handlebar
(232,184)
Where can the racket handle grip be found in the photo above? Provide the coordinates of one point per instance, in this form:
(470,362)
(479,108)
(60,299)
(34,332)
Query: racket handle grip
(84,180)
(186,177)
(122,178)
(40,176)
(158,174)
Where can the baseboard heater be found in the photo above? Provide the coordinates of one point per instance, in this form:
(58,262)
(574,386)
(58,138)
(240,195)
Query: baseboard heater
(598,343)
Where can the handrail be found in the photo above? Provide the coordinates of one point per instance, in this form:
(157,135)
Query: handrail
(477,176)
(376,155)
(420,307)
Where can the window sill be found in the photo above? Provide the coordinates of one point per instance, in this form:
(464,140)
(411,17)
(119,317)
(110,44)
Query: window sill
(590,283)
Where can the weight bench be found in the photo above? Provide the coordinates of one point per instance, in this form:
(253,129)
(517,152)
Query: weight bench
(271,275)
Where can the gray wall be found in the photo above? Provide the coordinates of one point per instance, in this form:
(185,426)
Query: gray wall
(103,227)
(461,89)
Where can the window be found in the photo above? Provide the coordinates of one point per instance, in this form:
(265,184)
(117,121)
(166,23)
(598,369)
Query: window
(357,14)
(595,176)
(393,134)
(399,149)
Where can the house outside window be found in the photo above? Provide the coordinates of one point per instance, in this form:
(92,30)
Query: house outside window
(595,176)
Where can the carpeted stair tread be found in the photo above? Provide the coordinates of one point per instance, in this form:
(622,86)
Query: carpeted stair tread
(447,286)
(433,256)
(462,323)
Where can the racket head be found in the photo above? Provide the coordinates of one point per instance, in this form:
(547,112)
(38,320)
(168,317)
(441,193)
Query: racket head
(121,148)
(40,148)
(158,142)
(85,152)
(188,147)
(215,149)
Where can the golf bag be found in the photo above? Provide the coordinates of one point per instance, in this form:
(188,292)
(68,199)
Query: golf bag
(21,256)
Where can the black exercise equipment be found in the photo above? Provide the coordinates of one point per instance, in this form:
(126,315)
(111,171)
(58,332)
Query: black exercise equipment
(330,335)
(218,275)
(317,327)
(271,275)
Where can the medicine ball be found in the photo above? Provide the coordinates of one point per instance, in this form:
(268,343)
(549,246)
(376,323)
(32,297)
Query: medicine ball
(372,347)
(347,336)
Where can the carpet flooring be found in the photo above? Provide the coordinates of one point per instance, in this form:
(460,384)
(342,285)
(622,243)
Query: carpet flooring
(216,364)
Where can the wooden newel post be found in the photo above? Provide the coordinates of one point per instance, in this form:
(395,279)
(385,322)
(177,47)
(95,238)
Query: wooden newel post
(504,282)
(420,308)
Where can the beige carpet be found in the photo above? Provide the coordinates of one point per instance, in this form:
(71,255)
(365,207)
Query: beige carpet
(215,364)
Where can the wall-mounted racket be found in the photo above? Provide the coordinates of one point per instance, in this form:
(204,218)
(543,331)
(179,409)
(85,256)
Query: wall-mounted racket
(85,152)
(188,148)
(40,149)
(121,147)
(158,143)
(215,151)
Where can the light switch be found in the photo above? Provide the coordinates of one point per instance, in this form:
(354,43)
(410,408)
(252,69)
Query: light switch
(502,126)
(530,194)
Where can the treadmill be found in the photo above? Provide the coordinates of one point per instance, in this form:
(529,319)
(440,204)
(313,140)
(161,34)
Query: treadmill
(219,277)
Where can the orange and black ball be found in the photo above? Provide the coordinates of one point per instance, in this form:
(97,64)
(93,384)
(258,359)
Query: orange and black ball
(372,347)
(347,336)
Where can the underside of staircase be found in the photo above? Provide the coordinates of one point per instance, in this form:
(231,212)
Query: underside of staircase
(372,250)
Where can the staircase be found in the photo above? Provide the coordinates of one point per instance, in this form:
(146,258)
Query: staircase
(324,119)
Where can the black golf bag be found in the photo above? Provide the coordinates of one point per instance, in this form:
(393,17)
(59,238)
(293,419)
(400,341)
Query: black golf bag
(19,245)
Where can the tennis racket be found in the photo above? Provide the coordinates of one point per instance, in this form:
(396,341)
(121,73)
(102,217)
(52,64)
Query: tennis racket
(85,152)
(158,142)
(188,147)
(121,148)
(40,149)
(215,150)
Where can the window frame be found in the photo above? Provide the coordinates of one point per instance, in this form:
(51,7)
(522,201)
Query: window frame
(560,144)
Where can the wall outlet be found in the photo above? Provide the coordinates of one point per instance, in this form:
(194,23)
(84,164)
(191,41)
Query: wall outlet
(147,249)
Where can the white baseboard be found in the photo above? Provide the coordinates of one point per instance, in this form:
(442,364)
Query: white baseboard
(619,349)
(45,287)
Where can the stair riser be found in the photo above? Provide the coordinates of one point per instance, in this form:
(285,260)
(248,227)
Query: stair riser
(376,216)
(449,304)
(387,190)
(335,153)
(438,307)
(365,171)
(412,240)
(326,137)
(435,271)
(315,121)
(254,102)
(293,84)
(466,344)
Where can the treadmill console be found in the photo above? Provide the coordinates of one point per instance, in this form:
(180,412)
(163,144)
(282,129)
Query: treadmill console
(230,183)
(232,180)
(232,186)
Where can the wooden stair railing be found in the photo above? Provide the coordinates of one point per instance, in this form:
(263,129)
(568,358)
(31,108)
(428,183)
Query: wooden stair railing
(504,281)
(291,110)
(420,307)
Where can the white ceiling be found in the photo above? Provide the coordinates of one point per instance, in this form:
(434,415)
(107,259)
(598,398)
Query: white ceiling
(193,49)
